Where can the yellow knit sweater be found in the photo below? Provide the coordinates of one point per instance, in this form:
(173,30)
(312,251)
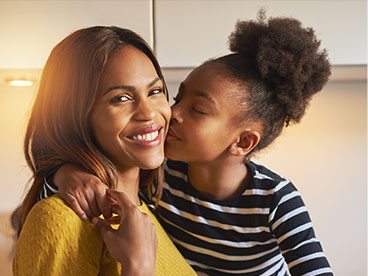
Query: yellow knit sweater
(55,241)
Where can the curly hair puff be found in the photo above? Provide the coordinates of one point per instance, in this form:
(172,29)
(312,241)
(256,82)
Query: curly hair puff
(279,67)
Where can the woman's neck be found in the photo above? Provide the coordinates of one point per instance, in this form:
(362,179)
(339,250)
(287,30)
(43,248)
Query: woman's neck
(128,183)
(219,180)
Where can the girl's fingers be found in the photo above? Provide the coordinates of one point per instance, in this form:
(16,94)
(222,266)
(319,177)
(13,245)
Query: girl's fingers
(74,205)
(92,202)
(84,205)
(103,202)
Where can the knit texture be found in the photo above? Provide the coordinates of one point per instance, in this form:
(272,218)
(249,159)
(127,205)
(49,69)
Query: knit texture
(55,241)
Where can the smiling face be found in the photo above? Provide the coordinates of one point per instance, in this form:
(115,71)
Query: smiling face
(130,117)
(202,126)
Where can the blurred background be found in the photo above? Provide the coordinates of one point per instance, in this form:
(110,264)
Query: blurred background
(325,156)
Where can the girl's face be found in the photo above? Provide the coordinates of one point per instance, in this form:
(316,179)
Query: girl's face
(130,117)
(202,127)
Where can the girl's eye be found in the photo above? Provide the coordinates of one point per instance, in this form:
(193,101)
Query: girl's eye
(199,111)
(156,91)
(121,99)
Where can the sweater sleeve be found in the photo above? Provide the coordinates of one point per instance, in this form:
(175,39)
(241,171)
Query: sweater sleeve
(54,241)
(291,225)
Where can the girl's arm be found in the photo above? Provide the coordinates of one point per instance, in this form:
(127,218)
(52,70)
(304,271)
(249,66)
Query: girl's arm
(291,225)
(83,192)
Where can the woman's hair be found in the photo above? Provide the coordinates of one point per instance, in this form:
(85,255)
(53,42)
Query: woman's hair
(59,129)
(278,67)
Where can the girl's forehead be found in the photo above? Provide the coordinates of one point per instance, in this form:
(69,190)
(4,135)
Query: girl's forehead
(210,78)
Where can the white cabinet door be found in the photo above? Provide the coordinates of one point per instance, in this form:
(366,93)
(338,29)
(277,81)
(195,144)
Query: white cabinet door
(30,29)
(191,31)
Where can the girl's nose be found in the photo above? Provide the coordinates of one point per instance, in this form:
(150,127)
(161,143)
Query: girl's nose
(176,114)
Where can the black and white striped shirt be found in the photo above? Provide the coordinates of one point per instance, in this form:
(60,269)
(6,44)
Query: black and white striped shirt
(264,231)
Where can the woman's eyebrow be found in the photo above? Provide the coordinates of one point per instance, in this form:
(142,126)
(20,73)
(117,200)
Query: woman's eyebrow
(129,87)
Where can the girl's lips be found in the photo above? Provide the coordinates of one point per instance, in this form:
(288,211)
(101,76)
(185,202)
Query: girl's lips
(172,136)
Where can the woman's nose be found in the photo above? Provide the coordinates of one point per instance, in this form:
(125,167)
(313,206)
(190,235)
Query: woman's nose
(145,111)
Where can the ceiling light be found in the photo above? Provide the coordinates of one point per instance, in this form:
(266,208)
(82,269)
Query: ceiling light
(20,83)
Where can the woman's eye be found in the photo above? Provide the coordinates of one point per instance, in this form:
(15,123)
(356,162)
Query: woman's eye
(121,99)
(156,91)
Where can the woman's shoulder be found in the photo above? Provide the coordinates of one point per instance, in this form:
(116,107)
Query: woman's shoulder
(55,241)
(53,208)
(55,218)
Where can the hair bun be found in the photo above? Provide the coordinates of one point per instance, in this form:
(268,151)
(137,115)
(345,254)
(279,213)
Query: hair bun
(286,56)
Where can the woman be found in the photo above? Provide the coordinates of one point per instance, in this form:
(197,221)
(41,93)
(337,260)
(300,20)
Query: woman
(101,105)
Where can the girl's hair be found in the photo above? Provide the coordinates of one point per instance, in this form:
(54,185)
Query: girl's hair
(59,129)
(278,67)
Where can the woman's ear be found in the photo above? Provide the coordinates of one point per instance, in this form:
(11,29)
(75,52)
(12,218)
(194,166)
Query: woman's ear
(245,143)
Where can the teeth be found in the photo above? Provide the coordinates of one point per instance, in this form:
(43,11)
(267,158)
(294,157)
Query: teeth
(146,137)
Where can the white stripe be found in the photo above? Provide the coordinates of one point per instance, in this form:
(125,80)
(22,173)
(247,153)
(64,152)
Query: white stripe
(282,200)
(248,270)
(300,245)
(267,192)
(281,185)
(221,242)
(223,226)
(284,271)
(259,175)
(51,188)
(45,195)
(319,271)
(209,205)
(289,215)
(306,258)
(175,173)
(295,231)
(273,268)
(218,255)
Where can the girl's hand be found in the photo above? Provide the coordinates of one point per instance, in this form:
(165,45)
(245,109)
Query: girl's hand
(83,192)
(134,244)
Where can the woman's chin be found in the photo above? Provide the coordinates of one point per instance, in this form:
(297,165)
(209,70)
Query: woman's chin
(152,164)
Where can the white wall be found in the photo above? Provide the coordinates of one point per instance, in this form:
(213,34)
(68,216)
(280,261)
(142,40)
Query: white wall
(30,29)
(190,32)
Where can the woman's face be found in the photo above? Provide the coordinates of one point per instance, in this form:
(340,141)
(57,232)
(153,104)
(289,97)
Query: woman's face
(130,117)
(202,127)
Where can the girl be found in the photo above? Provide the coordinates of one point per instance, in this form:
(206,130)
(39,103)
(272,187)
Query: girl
(87,81)
(225,213)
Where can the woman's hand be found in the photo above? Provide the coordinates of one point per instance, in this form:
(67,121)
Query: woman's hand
(134,244)
(83,192)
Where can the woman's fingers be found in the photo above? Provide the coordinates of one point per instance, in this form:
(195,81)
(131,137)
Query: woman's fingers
(122,200)
(104,228)
(114,220)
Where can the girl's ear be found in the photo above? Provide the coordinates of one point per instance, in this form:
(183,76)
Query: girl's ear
(245,143)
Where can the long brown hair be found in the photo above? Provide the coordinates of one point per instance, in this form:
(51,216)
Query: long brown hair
(59,129)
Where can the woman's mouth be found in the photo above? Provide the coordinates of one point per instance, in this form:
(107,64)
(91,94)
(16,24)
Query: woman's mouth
(147,137)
